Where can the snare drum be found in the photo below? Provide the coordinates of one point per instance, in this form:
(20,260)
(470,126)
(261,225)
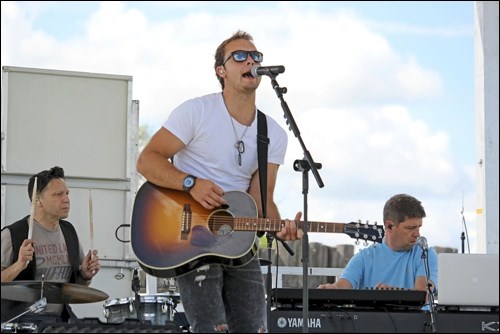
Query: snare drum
(155,308)
(21,327)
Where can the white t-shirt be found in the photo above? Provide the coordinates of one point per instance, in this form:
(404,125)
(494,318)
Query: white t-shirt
(205,126)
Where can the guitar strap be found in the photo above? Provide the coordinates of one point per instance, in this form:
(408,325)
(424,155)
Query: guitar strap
(262,144)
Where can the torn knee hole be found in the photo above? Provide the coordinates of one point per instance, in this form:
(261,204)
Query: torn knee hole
(221,328)
(262,330)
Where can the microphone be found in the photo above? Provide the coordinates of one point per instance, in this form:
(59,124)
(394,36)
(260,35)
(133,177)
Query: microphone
(257,70)
(422,242)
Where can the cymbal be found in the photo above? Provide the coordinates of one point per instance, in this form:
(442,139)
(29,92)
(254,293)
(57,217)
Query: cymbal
(55,292)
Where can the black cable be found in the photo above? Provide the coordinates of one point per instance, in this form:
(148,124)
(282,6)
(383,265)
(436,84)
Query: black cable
(391,318)
(276,277)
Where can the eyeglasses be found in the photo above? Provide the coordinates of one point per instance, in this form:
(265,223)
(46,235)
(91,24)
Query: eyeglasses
(242,55)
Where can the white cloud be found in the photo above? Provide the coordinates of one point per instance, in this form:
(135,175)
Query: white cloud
(349,90)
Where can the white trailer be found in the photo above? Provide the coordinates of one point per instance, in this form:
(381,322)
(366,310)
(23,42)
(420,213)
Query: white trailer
(86,123)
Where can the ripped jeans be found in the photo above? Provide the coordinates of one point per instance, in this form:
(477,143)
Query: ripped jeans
(220,299)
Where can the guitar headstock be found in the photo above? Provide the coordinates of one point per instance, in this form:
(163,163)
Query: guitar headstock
(366,232)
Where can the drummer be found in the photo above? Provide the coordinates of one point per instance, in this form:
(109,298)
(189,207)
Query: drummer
(53,253)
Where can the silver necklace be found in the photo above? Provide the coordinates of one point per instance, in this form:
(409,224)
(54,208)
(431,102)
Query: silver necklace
(240,145)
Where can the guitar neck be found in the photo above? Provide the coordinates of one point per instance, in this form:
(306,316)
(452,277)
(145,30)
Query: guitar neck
(275,225)
(356,231)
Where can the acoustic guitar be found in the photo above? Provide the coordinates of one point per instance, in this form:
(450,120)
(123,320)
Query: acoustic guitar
(172,234)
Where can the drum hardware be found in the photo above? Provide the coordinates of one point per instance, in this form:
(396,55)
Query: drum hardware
(22,327)
(43,292)
(136,287)
(158,309)
(170,284)
(120,275)
(35,308)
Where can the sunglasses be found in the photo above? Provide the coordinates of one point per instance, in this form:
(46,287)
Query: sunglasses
(242,55)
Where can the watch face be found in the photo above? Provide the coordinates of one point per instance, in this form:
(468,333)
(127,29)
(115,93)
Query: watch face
(188,182)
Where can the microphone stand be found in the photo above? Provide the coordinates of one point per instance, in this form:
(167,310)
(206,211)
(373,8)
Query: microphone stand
(430,294)
(462,237)
(304,166)
(269,277)
(136,287)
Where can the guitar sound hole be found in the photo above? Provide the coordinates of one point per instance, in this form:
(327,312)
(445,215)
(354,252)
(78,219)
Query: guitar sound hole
(221,222)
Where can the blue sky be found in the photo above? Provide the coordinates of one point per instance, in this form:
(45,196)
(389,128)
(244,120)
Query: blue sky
(382,92)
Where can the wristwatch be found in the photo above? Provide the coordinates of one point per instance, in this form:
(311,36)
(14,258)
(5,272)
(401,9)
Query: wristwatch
(188,183)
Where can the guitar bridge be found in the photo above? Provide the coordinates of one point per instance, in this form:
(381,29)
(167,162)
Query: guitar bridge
(186,221)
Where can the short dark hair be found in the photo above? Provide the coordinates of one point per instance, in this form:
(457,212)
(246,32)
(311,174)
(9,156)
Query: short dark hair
(43,178)
(400,207)
(221,50)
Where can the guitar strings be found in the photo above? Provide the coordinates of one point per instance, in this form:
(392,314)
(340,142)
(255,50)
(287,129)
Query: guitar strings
(265,224)
(220,221)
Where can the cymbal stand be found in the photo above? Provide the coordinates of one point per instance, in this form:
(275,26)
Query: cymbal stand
(136,287)
(37,307)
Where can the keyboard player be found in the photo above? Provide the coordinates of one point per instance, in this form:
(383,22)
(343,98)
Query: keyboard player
(397,262)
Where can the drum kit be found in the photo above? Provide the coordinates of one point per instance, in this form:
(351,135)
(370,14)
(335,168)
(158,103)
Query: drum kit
(41,293)
(156,309)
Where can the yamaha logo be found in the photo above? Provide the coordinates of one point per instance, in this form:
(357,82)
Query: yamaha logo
(281,322)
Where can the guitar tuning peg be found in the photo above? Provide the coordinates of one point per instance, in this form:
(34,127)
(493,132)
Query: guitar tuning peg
(365,243)
(356,242)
